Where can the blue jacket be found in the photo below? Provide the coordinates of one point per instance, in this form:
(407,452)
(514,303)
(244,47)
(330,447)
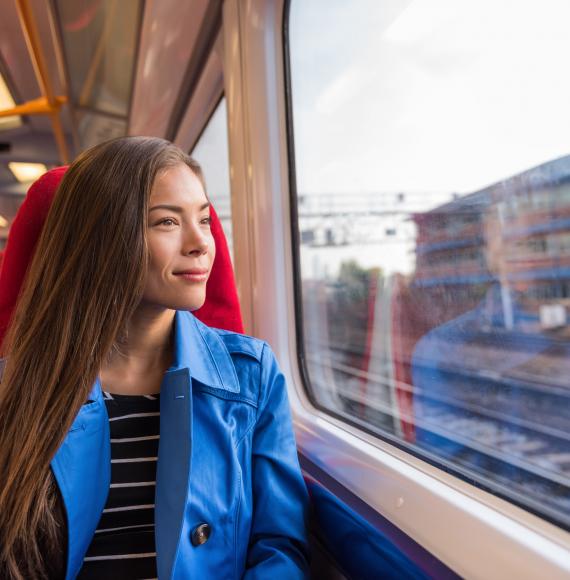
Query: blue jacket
(227,457)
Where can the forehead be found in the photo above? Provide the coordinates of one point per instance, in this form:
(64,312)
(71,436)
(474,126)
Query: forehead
(177,184)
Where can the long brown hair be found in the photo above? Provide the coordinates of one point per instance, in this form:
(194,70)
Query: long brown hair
(85,281)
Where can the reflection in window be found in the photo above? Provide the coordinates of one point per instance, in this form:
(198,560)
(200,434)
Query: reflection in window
(95,128)
(433,180)
(211,152)
(100,44)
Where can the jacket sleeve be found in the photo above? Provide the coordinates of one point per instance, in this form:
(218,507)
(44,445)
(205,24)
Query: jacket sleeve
(278,541)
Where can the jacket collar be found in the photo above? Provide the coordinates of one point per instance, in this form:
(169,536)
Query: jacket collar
(202,351)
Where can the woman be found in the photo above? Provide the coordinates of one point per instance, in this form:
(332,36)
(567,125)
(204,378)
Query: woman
(102,333)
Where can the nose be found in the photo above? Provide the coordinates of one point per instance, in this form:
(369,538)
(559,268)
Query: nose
(196,242)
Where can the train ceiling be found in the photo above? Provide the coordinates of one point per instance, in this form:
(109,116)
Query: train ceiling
(84,71)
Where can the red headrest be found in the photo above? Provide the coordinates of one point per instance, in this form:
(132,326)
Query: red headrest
(220,310)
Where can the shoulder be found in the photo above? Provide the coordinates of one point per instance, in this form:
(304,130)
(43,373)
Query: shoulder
(235,343)
(241,344)
(252,359)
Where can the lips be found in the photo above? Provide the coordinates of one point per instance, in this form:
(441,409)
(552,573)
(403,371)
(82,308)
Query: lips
(193,274)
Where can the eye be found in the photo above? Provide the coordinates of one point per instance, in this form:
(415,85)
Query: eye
(207,221)
(168,222)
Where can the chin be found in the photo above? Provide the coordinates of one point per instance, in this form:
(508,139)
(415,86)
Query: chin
(192,305)
(177,300)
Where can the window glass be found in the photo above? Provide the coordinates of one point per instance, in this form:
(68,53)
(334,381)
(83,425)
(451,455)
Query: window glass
(432,165)
(211,152)
(96,128)
(100,42)
(100,45)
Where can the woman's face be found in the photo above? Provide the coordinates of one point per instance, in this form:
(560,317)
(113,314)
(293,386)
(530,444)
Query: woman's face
(180,242)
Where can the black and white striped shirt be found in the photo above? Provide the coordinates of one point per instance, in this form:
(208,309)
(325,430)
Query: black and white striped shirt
(123,545)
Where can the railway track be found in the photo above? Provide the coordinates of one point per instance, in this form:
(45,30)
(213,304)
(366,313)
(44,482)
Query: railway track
(527,458)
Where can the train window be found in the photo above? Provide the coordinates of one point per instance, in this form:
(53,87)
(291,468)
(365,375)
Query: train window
(211,151)
(431,169)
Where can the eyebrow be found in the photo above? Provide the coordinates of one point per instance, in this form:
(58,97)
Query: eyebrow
(177,208)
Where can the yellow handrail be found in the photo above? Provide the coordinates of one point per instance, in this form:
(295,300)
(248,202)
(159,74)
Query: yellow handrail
(48,104)
(38,106)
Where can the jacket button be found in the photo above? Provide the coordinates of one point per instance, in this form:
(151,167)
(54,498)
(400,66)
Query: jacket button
(200,534)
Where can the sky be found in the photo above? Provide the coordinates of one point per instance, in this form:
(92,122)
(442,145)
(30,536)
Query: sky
(427,95)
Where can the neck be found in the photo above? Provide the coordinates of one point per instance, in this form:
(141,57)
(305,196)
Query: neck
(148,332)
(143,355)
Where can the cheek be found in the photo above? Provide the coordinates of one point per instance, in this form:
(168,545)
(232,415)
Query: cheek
(161,252)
